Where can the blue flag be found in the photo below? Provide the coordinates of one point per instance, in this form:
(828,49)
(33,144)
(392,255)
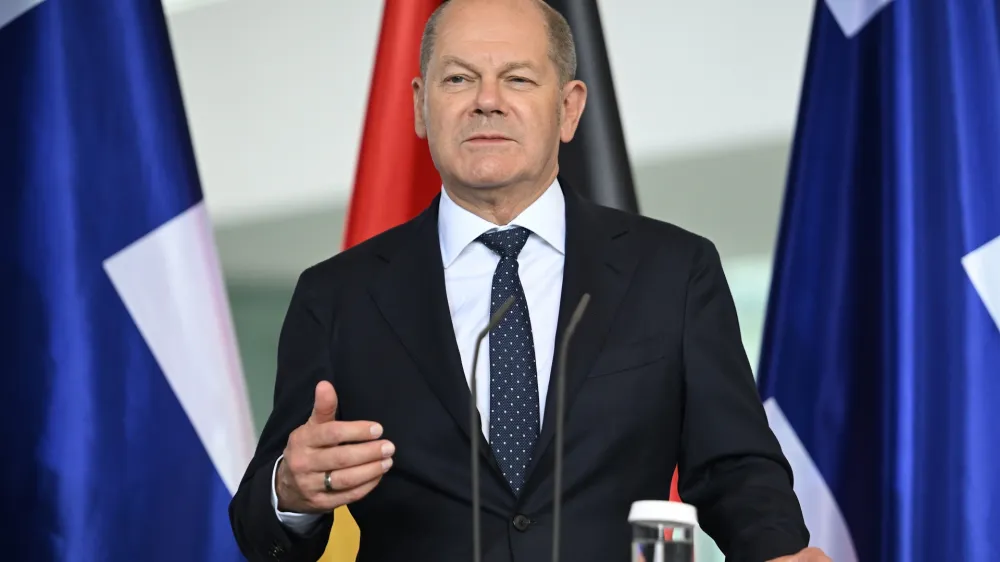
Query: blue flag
(125,419)
(880,369)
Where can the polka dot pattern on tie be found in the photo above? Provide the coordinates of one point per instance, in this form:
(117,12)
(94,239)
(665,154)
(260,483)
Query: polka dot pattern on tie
(514,417)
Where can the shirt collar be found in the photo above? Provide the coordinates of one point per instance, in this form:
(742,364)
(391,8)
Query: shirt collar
(545,217)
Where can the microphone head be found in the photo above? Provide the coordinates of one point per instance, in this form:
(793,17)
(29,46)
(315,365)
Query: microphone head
(499,314)
(581,307)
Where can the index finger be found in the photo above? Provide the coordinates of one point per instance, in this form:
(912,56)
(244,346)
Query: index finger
(333,433)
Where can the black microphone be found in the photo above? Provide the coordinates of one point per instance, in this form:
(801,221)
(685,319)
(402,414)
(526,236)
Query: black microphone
(473,410)
(560,414)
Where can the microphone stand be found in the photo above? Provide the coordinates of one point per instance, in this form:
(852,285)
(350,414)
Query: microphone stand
(574,320)
(473,418)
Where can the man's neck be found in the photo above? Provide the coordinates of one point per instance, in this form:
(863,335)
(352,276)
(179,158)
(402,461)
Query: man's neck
(498,205)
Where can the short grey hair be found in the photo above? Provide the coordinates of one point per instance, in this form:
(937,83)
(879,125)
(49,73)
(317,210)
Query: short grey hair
(562,47)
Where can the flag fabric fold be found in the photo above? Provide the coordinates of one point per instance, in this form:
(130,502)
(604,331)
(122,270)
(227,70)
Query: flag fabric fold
(881,361)
(126,423)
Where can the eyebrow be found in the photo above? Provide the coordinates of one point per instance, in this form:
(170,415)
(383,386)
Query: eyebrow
(514,65)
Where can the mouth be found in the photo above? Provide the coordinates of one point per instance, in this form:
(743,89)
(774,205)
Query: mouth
(487,138)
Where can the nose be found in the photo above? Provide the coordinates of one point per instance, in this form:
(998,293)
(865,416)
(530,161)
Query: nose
(489,99)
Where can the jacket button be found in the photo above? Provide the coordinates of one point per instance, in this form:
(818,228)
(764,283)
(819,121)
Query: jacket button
(521,522)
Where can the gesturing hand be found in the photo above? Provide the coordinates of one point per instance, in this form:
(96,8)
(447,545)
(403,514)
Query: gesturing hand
(349,452)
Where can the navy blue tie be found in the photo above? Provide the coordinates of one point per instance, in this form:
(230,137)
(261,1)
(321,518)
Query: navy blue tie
(513,377)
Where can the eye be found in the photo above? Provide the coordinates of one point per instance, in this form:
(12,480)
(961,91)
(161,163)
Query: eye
(520,80)
(455,79)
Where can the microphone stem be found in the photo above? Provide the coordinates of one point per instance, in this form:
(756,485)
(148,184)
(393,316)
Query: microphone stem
(557,494)
(475,430)
(473,419)
(560,415)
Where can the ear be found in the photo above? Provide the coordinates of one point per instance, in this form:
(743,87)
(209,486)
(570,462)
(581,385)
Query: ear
(418,108)
(574,99)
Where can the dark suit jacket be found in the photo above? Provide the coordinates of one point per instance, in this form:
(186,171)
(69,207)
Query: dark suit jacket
(657,377)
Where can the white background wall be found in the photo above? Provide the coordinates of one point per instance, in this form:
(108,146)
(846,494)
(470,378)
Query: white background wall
(276,90)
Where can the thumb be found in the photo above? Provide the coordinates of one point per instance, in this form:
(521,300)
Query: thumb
(325,404)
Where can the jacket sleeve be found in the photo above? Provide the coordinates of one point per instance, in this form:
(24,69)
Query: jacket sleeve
(303,360)
(731,467)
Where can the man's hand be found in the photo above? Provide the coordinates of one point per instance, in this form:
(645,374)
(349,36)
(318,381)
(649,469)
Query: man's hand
(348,450)
(806,555)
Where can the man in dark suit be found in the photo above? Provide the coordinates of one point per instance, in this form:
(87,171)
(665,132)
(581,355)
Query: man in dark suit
(372,395)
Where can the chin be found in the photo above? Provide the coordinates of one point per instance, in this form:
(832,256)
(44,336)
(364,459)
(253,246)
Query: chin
(487,181)
(491,173)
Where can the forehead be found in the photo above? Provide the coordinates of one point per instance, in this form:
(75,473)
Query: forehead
(492,33)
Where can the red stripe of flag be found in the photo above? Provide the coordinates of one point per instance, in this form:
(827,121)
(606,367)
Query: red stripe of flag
(395,178)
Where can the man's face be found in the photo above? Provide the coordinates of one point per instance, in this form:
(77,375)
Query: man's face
(492,108)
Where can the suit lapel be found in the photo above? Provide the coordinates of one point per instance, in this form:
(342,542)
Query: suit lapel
(412,298)
(600,259)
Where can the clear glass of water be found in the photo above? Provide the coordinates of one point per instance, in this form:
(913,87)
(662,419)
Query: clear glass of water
(662,531)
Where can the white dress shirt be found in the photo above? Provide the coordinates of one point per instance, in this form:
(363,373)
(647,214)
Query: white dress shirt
(468,274)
